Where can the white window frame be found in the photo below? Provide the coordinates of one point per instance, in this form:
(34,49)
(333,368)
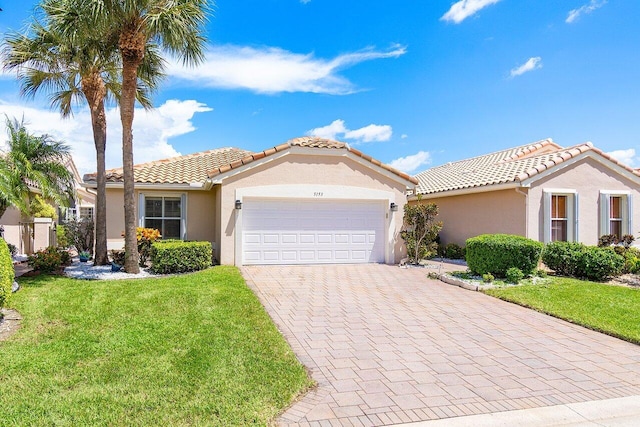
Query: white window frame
(183,209)
(572,212)
(626,208)
(92,210)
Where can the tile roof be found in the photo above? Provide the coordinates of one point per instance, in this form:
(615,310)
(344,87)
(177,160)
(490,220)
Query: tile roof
(177,170)
(201,166)
(311,142)
(507,166)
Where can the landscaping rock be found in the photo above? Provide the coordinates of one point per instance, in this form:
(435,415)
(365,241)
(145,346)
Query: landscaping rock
(15,287)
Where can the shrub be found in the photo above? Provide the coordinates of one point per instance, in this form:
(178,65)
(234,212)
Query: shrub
(6,274)
(563,257)
(180,257)
(496,253)
(514,275)
(146,237)
(118,257)
(13,250)
(599,264)
(487,278)
(627,240)
(49,260)
(541,273)
(631,261)
(420,230)
(607,240)
(80,234)
(62,237)
(41,209)
(453,251)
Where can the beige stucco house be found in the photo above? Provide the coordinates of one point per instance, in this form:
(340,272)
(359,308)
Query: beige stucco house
(542,191)
(310,200)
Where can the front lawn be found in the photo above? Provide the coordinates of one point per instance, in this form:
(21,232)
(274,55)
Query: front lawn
(195,349)
(614,310)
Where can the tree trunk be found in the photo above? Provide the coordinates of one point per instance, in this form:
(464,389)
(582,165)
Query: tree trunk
(131,43)
(95,93)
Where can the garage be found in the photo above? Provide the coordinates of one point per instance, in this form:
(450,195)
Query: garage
(310,231)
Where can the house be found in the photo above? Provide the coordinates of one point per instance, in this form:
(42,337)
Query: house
(542,191)
(310,200)
(29,235)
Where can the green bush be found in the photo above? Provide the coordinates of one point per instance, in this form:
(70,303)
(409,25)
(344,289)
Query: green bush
(49,260)
(6,274)
(13,250)
(62,237)
(118,257)
(563,257)
(180,257)
(496,253)
(41,209)
(514,275)
(452,251)
(487,278)
(599,264)
(632,261)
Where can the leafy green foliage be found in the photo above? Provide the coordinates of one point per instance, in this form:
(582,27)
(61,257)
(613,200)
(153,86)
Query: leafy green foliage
(496,253)
(196,349)
(6,274)
(41,209)
(146,237)
(600,264)
(514,275)
(563,257)
(13,250)
(451,251)
(631,261)
(488,277)
(118,257)
(591,262)
(614,310)
(49,260)
(62,237)
(179,257)
(420,230)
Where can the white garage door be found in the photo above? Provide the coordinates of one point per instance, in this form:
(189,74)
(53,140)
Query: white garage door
(312,231)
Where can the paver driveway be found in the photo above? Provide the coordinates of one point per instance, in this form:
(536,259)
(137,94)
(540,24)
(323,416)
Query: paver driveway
(386,345)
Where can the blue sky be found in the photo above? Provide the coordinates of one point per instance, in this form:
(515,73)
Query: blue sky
(412,83)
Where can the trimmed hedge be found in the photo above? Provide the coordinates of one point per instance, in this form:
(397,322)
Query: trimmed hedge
(7,274)
(176,256)
(589,262)
(497,253)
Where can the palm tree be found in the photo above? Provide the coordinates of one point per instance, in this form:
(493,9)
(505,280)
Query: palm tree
(82,68)
(177,27)
(31,164)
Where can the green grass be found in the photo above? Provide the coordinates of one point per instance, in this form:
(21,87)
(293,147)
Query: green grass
(195,349)
(614,310)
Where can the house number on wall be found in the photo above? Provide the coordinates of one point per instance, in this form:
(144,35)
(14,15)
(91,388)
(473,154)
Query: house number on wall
(318,194)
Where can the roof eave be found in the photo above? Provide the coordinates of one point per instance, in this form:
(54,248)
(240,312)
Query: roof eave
(468,190)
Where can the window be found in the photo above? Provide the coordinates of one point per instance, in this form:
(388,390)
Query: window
(615,213)
(86,213)
(164,213)
(560,216)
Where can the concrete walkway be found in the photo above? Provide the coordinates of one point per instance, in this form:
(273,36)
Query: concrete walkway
(388,346)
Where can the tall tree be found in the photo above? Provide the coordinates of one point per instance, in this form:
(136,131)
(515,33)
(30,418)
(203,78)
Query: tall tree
(175,25)
(33,163)
(75,68)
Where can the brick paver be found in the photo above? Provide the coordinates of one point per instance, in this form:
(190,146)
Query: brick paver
(387,345)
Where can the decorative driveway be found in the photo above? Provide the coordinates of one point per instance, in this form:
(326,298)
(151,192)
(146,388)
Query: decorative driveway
(387,345)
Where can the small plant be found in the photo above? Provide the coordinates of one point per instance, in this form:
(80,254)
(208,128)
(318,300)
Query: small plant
(488,278)
(607,240)
(62,237)
(541,272)
(84,256)
(80,234)
(432,275)
(453,251)
(13,250)
(146,238)
(627,240)
(514,275)
(118,257)
(49,260)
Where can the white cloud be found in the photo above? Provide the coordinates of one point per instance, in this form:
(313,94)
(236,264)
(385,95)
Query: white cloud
(404,136)
(463,9)
(411,163)
(337,130)
(152,130)
(628,157)
(532,64)
(586,9)
(305,1)
(272,70)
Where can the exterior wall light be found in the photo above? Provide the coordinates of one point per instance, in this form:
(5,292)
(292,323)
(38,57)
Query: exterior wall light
(238,204)
(393,207)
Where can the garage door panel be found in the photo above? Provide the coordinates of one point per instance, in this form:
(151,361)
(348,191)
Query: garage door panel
(312,231)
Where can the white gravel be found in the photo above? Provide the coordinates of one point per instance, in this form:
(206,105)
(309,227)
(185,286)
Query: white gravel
(86,270)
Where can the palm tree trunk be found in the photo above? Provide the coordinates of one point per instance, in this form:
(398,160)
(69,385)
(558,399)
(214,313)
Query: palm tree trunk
(95,93)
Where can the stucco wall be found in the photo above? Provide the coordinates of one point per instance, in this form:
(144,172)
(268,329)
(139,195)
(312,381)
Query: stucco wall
(469,215)
(587,177)
(304,169)
(11,223)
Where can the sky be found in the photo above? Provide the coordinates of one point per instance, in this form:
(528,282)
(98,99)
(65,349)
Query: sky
(412,83)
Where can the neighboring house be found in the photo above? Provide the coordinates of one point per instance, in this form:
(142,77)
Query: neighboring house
(541,191)
(310,200)
(32,234)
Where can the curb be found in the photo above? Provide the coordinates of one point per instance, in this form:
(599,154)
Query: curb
(457,282)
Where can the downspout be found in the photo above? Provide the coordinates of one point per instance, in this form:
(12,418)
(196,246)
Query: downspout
(526,211)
